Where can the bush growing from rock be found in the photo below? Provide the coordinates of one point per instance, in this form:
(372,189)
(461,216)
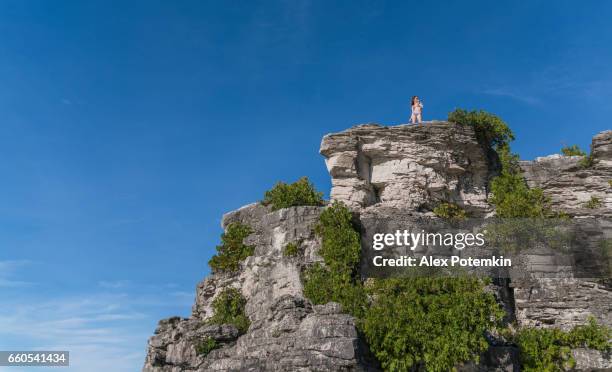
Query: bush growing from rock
(572,150)
(591,335)
(450,211)
(341,247)
(511,195)
(543,350)
(207,345)
(232,249)
(341,251)
(301,192)
(316,280)
(593,203)
(291,249)
(322,285)
(228,308)
(546,349)
(588,160)
(513,199)
(491,131)
(433,322)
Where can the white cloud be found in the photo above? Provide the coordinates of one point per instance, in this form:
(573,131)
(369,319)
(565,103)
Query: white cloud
(97,329)
(105,329)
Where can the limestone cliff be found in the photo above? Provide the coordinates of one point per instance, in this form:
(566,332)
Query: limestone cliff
(390,173)
(570,185)
(407,167)
(287,333)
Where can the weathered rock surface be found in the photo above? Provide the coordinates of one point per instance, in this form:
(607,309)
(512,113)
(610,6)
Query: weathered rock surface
(592,360)
(562,303)
(407,166)
(286,333)
(569,184)
(393,173)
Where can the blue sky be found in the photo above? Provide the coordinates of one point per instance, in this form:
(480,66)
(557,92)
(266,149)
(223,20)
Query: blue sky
(128,128)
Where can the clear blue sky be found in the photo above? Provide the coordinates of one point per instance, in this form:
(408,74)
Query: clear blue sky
(128,128)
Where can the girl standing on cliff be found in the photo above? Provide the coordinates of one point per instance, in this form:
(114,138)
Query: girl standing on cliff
(417,108)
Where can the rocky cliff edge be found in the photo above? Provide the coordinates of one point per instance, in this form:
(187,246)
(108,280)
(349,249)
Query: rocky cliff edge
(378,171)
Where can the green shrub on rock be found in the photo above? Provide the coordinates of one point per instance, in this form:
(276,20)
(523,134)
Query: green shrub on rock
(207,345)
(430,322)
(450,211)
(317,280)
(434,323)
(512,197)
(588,160)
(491,131)
(543,350)
(301,192)
(572,150)
(593,203)
(322,285)
(232,249)
(337,280)
(291,249)
(228,308)
(546,349)
(591,335)
(341,244)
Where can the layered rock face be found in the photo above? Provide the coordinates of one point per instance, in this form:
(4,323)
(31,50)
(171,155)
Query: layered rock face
(395,174)
(570,185)
(407,166)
